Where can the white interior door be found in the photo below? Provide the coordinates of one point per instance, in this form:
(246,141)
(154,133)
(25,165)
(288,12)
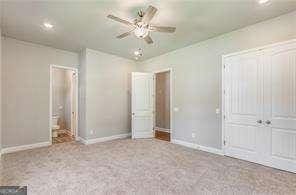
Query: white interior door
(142,105)
(280,105)
(243,106)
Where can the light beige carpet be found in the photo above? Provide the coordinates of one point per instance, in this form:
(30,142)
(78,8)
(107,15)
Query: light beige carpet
(138,167)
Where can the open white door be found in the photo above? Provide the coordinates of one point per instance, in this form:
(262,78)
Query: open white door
(142,105)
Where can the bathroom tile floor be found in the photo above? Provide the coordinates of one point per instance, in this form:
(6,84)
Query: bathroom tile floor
(63,137)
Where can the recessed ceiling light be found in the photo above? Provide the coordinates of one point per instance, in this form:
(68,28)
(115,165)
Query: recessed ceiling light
(263,1)
(47,25)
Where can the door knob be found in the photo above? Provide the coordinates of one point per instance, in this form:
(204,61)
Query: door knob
(259,121)
(268,122)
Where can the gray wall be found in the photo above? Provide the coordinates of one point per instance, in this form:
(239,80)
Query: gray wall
(82,95)
(197,76)
(107,94)
(25,84)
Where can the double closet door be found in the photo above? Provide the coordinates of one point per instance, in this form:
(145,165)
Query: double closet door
(260,106)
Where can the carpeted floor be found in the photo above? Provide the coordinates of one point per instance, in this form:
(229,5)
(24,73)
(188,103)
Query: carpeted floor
(138,167)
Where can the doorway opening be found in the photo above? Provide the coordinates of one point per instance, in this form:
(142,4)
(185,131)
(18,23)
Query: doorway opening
(63,104)
(162,116)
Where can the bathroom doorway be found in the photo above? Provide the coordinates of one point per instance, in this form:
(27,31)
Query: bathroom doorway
(63,104)
(163,114)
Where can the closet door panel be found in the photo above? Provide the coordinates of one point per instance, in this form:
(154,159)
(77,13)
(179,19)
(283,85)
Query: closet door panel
(280,101)
(243,106)
(243,89)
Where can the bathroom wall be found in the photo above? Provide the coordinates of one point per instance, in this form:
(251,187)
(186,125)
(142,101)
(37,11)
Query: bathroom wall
(25,90)
(162,103)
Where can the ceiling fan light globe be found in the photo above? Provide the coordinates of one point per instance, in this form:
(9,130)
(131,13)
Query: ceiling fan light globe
(141,32)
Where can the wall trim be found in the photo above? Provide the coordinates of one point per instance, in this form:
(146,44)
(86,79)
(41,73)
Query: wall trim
(198,147)
(184,143)
(82,140)
(24,147)
(103,139)
(211,150)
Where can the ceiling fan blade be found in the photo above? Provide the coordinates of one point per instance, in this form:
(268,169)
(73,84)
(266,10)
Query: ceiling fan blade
(165,29)
(148,39)
(124,34)
(150,12)
(120,20)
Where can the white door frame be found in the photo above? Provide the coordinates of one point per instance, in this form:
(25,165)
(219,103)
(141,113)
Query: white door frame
(74,88)
(170,70)
(50,98)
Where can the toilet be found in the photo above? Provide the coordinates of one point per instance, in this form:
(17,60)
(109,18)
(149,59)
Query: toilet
(54,125)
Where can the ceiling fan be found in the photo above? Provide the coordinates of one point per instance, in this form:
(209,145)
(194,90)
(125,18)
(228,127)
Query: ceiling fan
(141,26)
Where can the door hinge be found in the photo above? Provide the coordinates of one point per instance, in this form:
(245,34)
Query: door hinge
(224,92)
(224,117)
(224,66)
(224,142)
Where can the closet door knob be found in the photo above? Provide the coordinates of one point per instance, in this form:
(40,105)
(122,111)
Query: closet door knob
(259,121)
(268,122)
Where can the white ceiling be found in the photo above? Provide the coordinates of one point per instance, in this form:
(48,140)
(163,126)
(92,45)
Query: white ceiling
(79,24)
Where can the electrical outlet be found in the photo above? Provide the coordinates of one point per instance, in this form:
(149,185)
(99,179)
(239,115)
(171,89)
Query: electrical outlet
(193,135)
(91,132)
(176,109)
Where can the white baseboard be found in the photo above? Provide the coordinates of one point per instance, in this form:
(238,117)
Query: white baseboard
(183,143)
(104,139)
(198,147)
(82,140)
(24,147)
(211,150)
